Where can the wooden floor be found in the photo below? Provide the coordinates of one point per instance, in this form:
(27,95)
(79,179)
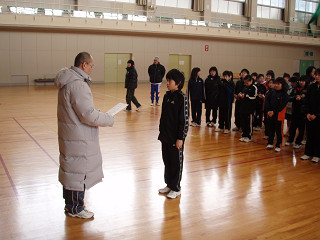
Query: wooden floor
(230,189)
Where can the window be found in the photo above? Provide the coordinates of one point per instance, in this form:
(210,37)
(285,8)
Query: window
(227,6)
(174,3)
(270,9)
(304,10)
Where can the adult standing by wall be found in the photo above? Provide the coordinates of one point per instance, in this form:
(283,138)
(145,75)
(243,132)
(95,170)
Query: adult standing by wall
(156,73)
(78,133)
(131,83)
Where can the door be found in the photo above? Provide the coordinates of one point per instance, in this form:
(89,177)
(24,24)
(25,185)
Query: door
(182,63)
(115,66)
(304,64)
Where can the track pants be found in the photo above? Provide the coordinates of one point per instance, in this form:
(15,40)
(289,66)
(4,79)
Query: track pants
(237,117)
(155,90)
(297,122)
(130,97)
(74,200)
(225,117)
(214,113)
(196,110)
(313,138)
(246,124)
(275,127)
(173,164)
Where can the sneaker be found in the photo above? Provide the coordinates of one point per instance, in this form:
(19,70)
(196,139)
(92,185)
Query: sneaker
(297,146)
(152,104)
(138,109)
(173,194)
(304,142)
(315,159)
(277,149)
(289,144)
(193,124)
(226,131)
(241,139)
(266,137)
(269,146)
(157,103)
(246,139)
(197,125)
(209,124)
(127,110)
(235,129)
(164,190)
(83,214)
(218,130)
(305,157)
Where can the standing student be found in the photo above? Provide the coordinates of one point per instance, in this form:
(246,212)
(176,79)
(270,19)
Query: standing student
(310,73)
(265,113)
(196,94)
(212,88)
(131,84)
(237,92)
(226,98)
(78,134)
(298,121)
(312,148)
(258,113)
(288,116)
(248,105)
(174,123)
(254,77)
(276,105)
(156,73)
(269,76)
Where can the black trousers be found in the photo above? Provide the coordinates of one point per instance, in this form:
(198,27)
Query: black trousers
(313,138)
(225,113)
(130,97)
(237,114)
(266,124)
(246,124)
(74,200)
(258,115)
(214,113)
(196,110)
(173,164)
(297,122)
(275,127)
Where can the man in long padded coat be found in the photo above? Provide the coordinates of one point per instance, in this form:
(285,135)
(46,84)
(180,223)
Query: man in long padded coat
(78,133)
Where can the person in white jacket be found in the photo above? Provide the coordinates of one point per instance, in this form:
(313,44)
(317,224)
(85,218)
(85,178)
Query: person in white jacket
(78,134)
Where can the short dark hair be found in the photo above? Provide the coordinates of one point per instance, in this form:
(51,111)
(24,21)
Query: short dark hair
(271,73)
(245,70)
(280,80)
(260,75)
(81,58)
(214,69)
(296,74)
(293,79)
(286,75)
(254,74)
(226,73)
(247,78)
(176,76)
(131,62)
(309,70)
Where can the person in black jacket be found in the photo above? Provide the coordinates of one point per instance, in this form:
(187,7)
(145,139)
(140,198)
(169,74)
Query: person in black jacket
(275,106)
(156,73)
(196,93)
(312,148)
(131,84)
(226,99)
(174,124)
(238,90)
(212,86)
(248,96)
(298,97)
(258,113)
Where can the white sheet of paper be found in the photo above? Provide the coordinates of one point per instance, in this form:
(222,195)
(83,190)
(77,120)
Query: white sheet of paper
(117,108)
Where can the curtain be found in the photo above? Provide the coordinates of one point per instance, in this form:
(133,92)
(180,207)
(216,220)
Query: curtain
(142,2)
(198,5)
(247,8)
(287,11)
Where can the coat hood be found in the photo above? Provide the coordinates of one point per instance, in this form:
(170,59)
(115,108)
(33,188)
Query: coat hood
(67,75)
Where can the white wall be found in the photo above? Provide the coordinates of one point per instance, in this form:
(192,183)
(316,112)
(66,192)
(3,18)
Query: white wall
(42,54)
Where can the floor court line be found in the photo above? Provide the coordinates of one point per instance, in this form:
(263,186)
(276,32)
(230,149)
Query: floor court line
(9,176)
(35,141)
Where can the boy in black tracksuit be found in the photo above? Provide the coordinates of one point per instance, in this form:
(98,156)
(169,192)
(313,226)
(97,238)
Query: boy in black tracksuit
(174,123)
(226,99)
(265,113)
(238,89)
(312,148)
(258,113)
(298,97)
(248,104)
(196,93)
(275,106)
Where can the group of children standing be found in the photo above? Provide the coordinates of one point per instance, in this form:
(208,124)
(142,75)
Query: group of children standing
(261,102)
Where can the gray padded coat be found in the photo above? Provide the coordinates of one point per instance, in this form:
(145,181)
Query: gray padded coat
(78,133)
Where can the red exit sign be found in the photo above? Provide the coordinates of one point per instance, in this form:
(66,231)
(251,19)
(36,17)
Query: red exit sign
(206,48)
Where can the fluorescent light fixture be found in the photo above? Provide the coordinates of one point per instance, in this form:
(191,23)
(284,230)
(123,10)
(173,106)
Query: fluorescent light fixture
(54,12)
(112,16)
(22,10)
